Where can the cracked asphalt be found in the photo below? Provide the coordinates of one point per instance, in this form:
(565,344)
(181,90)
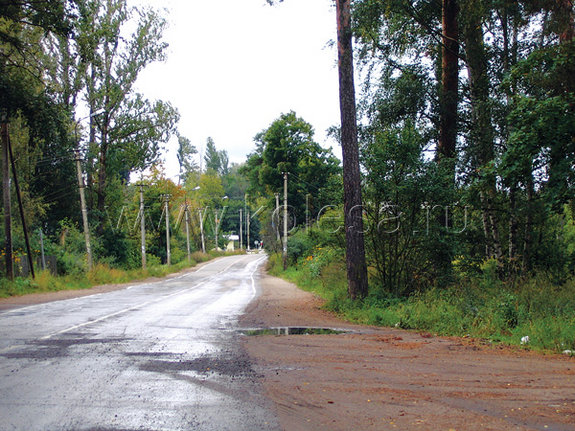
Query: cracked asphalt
(156,356)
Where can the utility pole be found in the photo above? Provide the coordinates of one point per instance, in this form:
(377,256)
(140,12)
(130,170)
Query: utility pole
(216,230)
(21,208)
(6,198)
(142,226)
(285,220)
(168,251)
(202,230)
(42,250)
(81,187)
(187,230)
(278,216)
(248,228)
(247,213)
(241,233)
(84,211)
(307,212)
(220,220)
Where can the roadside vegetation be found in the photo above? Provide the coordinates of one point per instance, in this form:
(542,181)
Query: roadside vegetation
(467,151)
(101,274)
(72,116)
(477,304)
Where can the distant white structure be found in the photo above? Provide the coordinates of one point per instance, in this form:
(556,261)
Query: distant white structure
(232,239)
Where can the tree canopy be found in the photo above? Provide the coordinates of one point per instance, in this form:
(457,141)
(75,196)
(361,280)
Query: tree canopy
(288,146)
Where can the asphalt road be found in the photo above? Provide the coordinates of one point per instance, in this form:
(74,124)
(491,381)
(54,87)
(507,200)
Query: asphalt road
(156,356)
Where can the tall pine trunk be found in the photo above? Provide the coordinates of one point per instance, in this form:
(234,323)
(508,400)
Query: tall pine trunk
(448,97)
(528,236)
(355,247)
(568,20)
(482,131)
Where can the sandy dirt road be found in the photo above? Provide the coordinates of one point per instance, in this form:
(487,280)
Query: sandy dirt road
(388,379)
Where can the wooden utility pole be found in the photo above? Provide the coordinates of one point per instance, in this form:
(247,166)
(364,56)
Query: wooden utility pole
(216,229)
(285,220)
(278,216)
(186,214)
(247,213)
(6,199)
(202,230)
(142,226)
(21,208)
(355,247)
(84,211)
(248,229)
(241,232)
(168,251)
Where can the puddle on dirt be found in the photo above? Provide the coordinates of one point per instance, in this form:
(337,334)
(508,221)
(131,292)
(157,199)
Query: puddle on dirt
(290,330)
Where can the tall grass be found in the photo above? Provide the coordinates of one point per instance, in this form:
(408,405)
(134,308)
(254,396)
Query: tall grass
(482,307)
(99,275)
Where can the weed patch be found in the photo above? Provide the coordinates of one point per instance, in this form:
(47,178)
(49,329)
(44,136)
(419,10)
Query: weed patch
(481,307)
(100,274)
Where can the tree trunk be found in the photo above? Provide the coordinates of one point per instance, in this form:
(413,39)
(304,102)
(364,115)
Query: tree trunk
(102,178)
(355,247)
(528,237)
(482,133)
(449,81)
(91,150)
(513,225)
(565,13)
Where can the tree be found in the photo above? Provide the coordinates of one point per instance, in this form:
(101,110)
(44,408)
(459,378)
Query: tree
(216,161)
(288,145)
(130,127)
(186,152)
(212,156)
(235,182)
(38,123)
(482,133)
(355,247)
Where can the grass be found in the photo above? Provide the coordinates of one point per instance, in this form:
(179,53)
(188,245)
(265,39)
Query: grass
(478,308)
(99,275)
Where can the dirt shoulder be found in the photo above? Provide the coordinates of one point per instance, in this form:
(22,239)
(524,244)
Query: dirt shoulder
(386,379)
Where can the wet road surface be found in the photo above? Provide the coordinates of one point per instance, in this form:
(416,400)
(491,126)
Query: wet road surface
(156,356)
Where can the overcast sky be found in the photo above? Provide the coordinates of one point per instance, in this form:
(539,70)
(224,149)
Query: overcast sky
(235,65)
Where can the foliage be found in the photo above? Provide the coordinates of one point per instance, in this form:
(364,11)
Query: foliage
(512,171)
(287,146)
(130,127)
(101,274)
(186,152)
(542,118)
(408,242)
(216,160)
(482,307)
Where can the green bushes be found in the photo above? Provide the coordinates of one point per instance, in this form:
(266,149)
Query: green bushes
(480,305)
